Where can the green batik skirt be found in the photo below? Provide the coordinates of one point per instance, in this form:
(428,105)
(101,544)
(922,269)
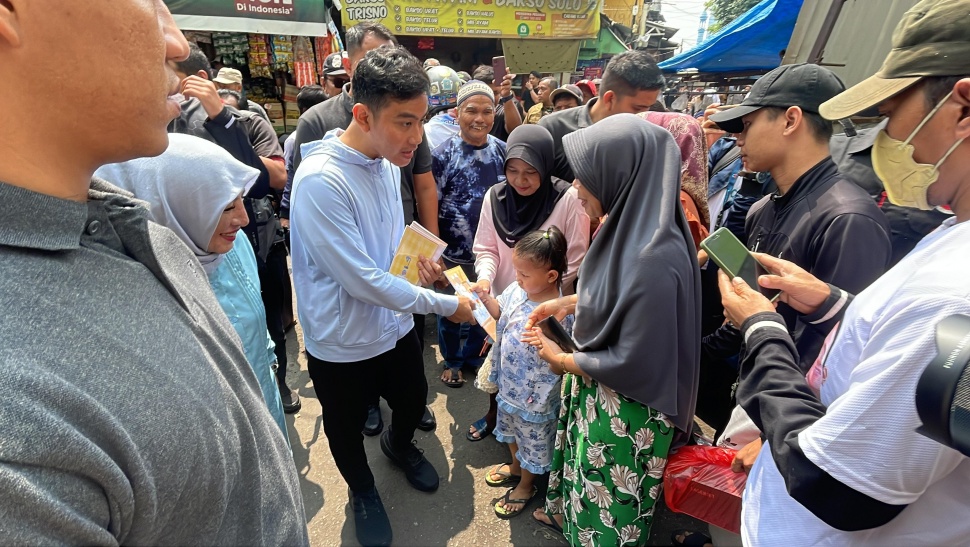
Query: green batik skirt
(608,464)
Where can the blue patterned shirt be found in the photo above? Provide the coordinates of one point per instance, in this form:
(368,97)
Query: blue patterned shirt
(527,386)
(464,173)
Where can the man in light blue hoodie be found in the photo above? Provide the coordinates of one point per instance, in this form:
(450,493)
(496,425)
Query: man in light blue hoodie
(346,221)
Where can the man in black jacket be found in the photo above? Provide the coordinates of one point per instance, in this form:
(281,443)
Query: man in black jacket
(816,219)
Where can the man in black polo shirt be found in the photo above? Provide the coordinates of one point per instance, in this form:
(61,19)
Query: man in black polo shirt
(337,113)
(631,84)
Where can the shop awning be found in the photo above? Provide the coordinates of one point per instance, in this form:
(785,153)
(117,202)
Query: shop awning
(296,17)
(752,42)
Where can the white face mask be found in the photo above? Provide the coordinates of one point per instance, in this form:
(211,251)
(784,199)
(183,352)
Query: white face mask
(907,182)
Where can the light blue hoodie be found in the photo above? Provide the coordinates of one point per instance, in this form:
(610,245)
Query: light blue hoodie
(346,220)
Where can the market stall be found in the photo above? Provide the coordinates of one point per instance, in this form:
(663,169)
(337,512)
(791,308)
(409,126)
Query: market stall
(278,45)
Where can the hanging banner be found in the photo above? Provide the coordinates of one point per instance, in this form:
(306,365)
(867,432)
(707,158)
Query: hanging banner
(297,17)
(549,19)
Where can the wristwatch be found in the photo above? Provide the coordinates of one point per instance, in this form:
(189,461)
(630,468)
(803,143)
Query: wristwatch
(503,100)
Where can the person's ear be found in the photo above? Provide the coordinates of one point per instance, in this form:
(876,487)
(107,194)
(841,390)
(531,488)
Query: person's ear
(202,74)
(793,119)
(10,31)
(552,276)
(961,94)
(363,116)
(608,98)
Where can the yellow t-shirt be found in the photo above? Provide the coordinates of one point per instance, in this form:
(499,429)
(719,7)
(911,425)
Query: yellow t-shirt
(536,113)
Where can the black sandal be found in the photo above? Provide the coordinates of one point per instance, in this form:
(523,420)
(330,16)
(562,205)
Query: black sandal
(481,427)
(455,380)
(552,524)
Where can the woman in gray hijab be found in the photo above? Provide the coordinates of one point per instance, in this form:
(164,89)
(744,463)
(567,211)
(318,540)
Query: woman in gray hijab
(633,381)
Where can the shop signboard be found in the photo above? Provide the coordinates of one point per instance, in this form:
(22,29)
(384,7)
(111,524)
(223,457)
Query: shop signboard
(297,17)
(528,19)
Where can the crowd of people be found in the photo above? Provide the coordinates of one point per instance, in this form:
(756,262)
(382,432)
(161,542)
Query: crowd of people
(144,273)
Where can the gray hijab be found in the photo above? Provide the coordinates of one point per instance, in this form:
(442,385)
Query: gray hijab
(187,189)
(638,315)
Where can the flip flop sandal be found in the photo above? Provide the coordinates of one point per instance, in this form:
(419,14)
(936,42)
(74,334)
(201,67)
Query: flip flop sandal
(455,381)
(504,513)
(692,538)
(508,479)
(481,427)
(552,524)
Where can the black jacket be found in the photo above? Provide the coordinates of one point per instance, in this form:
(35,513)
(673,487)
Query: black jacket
(828,226)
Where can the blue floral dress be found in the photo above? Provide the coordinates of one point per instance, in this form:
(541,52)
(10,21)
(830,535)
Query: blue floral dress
(528,391)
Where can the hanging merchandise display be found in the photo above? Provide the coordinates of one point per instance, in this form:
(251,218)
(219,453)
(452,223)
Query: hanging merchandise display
(231,48)
(271,65)
(260,54)
(282,52)
(324,47)
(304,67)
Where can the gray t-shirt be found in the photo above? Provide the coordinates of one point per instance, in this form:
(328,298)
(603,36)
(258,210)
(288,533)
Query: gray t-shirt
(128,411)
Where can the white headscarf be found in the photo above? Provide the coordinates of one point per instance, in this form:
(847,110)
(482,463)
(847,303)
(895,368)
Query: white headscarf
(187,187)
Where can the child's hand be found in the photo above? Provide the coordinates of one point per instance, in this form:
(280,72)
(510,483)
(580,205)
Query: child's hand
(482,287)
(548,350)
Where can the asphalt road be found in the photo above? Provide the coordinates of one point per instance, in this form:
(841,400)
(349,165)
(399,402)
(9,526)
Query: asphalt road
(460,512)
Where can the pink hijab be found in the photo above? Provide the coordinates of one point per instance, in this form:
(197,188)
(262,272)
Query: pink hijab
(689,136)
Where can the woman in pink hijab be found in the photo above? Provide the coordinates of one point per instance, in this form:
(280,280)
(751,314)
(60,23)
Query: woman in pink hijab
(689,136)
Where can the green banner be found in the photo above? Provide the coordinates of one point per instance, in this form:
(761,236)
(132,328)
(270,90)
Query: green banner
(299,17)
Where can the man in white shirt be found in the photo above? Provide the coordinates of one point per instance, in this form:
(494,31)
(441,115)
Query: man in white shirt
(842,462)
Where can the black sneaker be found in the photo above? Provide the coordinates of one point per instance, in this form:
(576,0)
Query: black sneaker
(375,423)
(370,519)
(290,399)
(418,470)
(427,423)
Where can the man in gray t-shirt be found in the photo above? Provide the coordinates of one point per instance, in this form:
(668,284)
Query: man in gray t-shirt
(128,410)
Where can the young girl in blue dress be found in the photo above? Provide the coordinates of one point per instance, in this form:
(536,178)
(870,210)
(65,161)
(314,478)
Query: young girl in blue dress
(528,396)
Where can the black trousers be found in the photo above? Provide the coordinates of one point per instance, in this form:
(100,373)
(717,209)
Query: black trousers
(344,390)
(419,330)
(272,277)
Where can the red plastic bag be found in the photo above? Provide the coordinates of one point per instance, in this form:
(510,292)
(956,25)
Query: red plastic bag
(698,481)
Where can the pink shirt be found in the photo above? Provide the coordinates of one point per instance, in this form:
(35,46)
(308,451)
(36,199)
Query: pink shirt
(493,258)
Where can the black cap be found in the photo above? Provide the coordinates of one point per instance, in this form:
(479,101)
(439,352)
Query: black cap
(804,85)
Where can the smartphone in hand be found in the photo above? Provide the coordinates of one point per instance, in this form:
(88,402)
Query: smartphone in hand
(500,69)
(736,261)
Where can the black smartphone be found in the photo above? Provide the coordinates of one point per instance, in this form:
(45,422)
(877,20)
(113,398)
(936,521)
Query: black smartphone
(498,66)
(736,261)
(555,332)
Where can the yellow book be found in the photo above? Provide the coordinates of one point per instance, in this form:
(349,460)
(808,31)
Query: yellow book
(416,242)
(456,276)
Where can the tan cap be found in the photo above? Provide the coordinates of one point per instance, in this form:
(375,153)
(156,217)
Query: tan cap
(228,76)
(933,39)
